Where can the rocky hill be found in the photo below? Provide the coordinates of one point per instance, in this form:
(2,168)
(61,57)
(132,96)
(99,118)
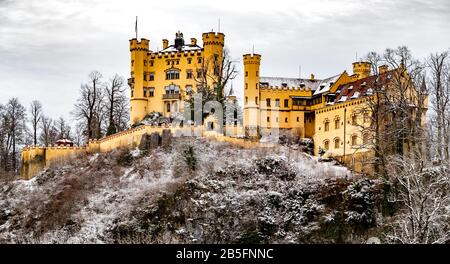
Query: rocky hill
(195,191)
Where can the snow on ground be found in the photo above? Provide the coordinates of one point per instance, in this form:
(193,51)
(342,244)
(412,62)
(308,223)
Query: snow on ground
(81,201)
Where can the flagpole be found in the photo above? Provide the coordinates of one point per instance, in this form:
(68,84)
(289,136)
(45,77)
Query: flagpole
(136,27)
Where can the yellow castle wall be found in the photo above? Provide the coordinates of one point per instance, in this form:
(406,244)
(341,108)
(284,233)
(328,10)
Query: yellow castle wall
(34,159)
(145,62)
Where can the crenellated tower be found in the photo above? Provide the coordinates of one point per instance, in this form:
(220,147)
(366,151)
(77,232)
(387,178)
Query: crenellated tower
(138,102)
(251,94)
(361,69)
(213,43)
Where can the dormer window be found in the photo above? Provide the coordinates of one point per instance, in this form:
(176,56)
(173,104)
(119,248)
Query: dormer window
(284,85)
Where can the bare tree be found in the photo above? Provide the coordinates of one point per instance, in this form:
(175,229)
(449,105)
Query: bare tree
(63,129)
(88,108)
(13,131)
(424,190)
(48,131)
(35,118)
(395,108)
(212,78)
(115,97)
(439,85)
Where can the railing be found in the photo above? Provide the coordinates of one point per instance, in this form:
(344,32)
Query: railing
(175,96)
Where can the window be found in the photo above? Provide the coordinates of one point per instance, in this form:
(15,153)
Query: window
(354,140)
(257,73)
(337,123)
(145,92)
(199,59)
(365,138)
(268,102)
(268,119)
(145,63)
(286,102)
(327,125)
(132,62)
(168,62)
(277,102)
(354,120)
(246,86)
(152,76)
(172,75)
(151,63)
(366,117)
(298,119)
(199,73)
(286,120)
(172,89)
(337,143)
(168,107)
(256,86)
(132,92)
(151,92)
(246,100)
(189,60)
(246,74)
(326,144)
(145,76)
(216,71)
(256,100)
(189,75)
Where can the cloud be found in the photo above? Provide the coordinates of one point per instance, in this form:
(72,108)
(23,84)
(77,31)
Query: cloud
(48,47)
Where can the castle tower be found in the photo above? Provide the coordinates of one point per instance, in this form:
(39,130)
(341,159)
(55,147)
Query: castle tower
(361,69)
(251,94)
(213,44)
(138,102)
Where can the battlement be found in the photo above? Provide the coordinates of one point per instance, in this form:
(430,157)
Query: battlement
(143,45)
(213,38)
(252,59)
(361,69)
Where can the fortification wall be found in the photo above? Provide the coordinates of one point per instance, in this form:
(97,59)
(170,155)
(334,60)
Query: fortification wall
(34,159)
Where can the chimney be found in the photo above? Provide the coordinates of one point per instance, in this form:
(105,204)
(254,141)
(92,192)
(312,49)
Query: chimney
(165,43)
(312,77)
(382,69)
(193,41)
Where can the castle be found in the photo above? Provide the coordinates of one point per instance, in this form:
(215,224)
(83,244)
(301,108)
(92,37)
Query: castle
(161,81)
(330,111)
(333,112)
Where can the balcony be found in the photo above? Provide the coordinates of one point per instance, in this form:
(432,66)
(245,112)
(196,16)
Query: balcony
(174,96)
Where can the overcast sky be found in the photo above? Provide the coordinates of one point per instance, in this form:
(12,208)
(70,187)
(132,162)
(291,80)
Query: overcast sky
(48,47)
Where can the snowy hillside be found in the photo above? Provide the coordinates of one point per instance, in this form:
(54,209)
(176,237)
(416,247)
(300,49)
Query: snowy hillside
(196,191)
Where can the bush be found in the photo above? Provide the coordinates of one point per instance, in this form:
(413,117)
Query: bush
(189,157)
(125,159)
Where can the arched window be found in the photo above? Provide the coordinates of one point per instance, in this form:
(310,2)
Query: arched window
(366,138)
(354,140)
(337,143)
(168,107)
(326,144)
(172,74)
(337,123)
(354,120)
(175,107)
